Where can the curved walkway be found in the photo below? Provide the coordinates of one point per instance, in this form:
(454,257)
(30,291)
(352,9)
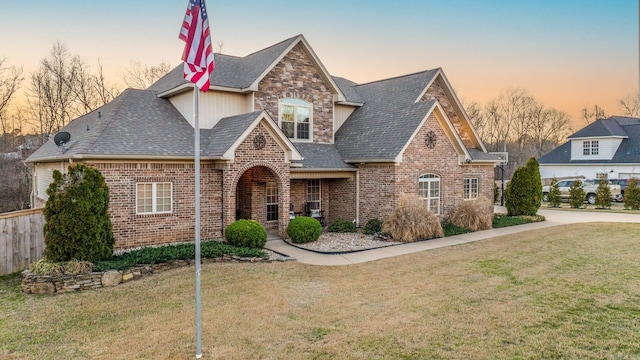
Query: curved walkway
(553,218)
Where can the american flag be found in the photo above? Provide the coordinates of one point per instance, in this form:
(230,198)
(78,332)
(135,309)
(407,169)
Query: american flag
(197,55)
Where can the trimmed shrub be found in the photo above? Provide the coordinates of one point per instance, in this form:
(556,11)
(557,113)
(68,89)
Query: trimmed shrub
(246,233)
(472,215)
(632,195)
(169,253)
(576,195)
(411,220)
(372,226)
(342,226)
(554,196)
(603,195)
(524,191)
(304,229)
(77,224)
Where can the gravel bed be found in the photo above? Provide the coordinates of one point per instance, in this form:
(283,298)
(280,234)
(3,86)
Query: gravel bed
(345,242)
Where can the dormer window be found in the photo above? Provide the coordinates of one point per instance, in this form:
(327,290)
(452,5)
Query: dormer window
(296,118)
(590,147)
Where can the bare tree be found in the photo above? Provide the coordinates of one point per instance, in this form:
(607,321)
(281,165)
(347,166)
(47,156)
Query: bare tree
(549,127)
(63,88)
(219,46)
(141,77)
(590,115)
(630,105)
(10,79)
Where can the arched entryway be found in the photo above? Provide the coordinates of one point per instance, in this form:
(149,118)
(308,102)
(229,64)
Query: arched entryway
(261,195)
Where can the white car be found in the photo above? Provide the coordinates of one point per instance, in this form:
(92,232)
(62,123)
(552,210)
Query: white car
(589,186)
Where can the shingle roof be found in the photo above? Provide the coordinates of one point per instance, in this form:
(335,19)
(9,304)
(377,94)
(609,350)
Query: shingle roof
(481,155)
(380,129)
(348,89)
(136,122)
(231,71)
(628,151)
(219,139)
(601,128)
(321,156)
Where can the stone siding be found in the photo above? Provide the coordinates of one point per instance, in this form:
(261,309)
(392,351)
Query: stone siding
(435,90)
(296,76)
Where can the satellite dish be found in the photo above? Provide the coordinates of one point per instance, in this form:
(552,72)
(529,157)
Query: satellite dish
(62,138)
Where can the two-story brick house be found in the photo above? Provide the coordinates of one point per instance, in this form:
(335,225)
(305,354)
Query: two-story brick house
(277,131)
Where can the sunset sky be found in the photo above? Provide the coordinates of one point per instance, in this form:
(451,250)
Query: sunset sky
(568,54)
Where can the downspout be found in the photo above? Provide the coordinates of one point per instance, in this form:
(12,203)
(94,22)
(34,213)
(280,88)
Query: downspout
(358,197)
(222,205)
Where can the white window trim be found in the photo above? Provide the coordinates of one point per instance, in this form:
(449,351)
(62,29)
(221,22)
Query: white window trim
(267,203)
(154,198)
(308,105)
(319,201)
(428,198)
(467,184)
(590,148)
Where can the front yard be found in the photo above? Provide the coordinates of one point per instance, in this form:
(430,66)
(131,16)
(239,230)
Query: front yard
(562,292)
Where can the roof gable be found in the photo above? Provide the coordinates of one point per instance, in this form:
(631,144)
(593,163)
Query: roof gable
(628,151)
(457,114)
(225,137)
(601,128)
(244,73)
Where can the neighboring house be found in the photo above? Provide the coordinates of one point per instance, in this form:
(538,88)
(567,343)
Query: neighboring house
(277,131)
(608,148)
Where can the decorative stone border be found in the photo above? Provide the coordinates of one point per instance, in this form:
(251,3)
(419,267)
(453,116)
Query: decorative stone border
(60,283)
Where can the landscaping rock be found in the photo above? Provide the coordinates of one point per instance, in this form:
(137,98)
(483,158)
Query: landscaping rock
(111,278)
(43,288)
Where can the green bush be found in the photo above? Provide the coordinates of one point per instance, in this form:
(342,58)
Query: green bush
(450,230)
(304,229)
(342,226)
(524,191)
(77,224)
(246,233)
(169,253)
(501,220)
(554,196)
(576,195)
(372,226)
(632,195)
(603,195)
(496,193)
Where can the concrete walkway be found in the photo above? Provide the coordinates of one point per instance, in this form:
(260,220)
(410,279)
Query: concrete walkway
(553,218)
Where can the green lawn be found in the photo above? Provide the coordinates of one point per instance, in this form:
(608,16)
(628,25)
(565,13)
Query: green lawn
(564,292)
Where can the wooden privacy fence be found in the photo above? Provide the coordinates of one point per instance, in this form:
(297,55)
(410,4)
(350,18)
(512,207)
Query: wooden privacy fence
(21,239)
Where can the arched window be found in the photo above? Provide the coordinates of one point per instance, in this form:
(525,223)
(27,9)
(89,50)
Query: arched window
(296,118)
(429,190)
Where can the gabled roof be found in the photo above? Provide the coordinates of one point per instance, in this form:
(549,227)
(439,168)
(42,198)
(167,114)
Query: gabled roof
(136,122)
(348,89)
(379,130)
(602,128)
(321,157)
(222,141)
(139,125)
(626,128)
(244,73)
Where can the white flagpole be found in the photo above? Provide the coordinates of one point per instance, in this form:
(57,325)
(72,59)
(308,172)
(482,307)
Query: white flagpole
(196,127)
